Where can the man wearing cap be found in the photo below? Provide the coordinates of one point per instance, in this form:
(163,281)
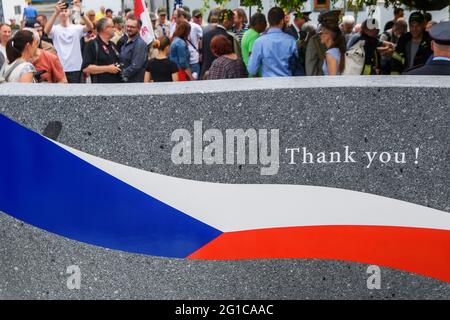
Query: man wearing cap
(440,63)
(295,30)
(197,17)
(162,26)
(414,47)
(374,48)
(153,46)
(154,19)
(118,29)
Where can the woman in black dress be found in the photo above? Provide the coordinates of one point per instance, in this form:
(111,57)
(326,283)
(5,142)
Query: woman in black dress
(160,68)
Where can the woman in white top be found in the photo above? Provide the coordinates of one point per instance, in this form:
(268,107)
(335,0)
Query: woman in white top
(20,50)
(331,37)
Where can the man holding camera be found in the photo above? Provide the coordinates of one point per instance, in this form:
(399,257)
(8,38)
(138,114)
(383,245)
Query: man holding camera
(101,59)
(67,40)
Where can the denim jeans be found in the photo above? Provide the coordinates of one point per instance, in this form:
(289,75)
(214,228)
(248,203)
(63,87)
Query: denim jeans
(195,68)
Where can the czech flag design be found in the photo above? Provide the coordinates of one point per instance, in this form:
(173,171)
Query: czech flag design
(96,201)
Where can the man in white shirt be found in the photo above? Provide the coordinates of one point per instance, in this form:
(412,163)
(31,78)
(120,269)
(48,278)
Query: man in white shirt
(194,42)
(162,26)
(67,40)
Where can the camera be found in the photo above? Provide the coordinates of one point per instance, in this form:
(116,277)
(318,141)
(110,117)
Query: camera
(123,77)
(67,4)
(38,75)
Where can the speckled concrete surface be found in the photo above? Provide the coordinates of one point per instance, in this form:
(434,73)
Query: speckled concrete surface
(34,263)
(132,125)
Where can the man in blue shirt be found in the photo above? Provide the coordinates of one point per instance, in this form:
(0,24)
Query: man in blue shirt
(29,13)
(274,50)
(134,53)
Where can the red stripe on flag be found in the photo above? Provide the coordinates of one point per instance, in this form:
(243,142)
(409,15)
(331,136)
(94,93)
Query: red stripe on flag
(138,8)
(422,251)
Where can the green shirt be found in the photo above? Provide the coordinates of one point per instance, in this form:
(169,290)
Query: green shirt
(248,40)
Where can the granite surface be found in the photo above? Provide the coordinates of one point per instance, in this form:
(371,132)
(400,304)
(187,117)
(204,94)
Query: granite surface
(132,125)
(34,264)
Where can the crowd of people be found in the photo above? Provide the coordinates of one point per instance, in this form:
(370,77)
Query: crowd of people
(73,46)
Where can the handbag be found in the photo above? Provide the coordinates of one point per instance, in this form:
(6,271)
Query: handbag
(182,75)
(354,59)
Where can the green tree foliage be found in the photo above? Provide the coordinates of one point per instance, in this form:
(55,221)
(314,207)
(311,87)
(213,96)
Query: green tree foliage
(297,5)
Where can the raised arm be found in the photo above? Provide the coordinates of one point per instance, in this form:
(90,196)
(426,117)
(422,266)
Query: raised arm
(88,25)
(58,8)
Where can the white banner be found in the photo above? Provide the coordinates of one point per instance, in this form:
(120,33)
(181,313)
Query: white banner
(141,12)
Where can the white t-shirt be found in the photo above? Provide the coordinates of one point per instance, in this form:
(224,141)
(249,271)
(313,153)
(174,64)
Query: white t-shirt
(68,46)
(3,52)
(194,37)
(173,26)
(19,71)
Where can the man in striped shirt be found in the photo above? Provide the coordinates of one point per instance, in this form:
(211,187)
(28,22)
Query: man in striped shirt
(240,23)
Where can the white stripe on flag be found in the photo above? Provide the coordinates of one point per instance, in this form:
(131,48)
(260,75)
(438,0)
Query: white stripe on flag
(141,11)
(237,207)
